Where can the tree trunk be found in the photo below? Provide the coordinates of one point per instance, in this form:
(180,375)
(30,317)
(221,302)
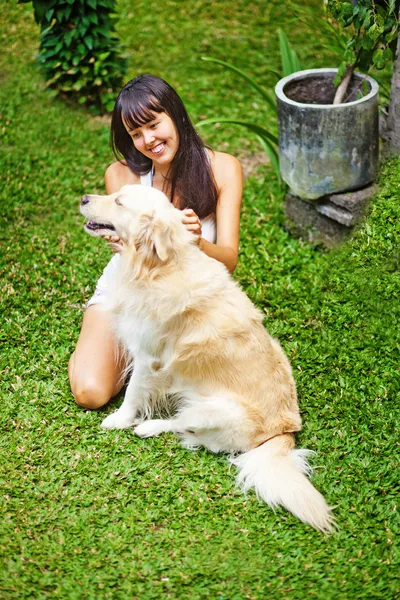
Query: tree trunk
(392,134)
(342,89)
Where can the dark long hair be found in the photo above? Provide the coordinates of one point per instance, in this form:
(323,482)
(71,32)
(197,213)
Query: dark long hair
(190,176)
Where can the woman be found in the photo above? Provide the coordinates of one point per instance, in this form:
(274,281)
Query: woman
(151,130)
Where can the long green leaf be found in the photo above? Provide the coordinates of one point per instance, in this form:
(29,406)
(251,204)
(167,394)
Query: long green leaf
(295,61)
(275,73)
(270,101)
(284,49)
(266,139)
(290,62)
(261,131)
(272,154)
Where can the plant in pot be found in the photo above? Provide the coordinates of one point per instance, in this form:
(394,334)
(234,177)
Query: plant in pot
(267,138)
(328,135)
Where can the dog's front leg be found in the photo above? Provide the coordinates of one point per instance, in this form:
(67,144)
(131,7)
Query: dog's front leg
(136,397)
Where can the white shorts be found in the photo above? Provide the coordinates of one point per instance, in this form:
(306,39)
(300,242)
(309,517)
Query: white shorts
(104,282)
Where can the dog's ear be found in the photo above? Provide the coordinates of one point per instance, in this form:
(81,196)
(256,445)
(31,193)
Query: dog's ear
(162,239)
(155,236)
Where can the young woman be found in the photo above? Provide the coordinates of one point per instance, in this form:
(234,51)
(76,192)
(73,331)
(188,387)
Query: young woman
(151,130)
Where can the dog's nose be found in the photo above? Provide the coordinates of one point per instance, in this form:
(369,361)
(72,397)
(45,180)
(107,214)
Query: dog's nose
(85,199)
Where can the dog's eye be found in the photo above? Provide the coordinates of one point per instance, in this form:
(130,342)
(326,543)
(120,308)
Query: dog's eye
(117,201)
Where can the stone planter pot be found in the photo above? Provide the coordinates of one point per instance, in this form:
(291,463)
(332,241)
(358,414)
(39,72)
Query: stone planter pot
(324,149)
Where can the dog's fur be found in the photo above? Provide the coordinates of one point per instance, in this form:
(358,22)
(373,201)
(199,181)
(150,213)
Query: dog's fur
(194,336)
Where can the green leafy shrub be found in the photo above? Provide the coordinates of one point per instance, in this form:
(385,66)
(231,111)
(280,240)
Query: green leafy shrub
(373,28)
(79,52)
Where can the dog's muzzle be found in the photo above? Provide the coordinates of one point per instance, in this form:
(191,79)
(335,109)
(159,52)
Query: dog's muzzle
(92,226)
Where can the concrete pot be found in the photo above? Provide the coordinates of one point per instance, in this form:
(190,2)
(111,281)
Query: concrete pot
(324,149)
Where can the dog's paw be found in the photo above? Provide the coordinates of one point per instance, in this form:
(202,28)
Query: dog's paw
(152,427)
(118,420)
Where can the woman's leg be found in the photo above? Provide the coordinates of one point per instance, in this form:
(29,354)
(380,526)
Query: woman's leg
(95,368)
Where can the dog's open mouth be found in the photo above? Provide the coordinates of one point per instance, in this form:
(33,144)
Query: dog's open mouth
(91,226)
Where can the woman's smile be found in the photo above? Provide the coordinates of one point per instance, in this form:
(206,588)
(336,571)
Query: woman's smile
(158,149)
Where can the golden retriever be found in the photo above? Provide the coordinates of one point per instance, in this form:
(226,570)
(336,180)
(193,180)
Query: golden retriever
(193,335)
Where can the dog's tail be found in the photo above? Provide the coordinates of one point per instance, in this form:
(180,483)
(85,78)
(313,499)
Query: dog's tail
(278,474)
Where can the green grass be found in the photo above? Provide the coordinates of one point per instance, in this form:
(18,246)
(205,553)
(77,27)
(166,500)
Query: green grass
(95,514)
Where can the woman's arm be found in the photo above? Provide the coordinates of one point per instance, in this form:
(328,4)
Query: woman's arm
(228,176)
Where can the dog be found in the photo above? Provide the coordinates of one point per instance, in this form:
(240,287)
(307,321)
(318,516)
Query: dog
(196,340)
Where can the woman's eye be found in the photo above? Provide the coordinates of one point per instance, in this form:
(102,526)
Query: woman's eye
(154,125)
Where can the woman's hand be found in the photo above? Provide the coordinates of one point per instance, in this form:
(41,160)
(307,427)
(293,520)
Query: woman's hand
(192,223)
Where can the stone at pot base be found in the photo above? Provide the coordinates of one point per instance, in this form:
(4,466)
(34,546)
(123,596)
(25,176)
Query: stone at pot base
(328,220)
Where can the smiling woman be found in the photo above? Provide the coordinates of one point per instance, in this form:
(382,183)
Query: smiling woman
(156,145)
(146,138)
(152,132)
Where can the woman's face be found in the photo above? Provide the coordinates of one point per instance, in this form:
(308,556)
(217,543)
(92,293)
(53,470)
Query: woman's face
(158,139)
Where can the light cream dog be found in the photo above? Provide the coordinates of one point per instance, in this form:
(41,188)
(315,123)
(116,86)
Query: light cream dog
(195,337)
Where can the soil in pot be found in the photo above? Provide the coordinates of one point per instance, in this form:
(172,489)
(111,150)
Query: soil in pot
(320,90)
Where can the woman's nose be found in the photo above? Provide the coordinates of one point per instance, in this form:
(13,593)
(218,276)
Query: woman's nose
(149,137)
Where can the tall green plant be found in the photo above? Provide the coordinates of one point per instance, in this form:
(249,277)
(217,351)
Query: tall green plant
(372,27)
(267,139)
(79,53)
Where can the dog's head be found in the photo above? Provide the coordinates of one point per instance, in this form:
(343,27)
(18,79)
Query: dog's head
(144,219)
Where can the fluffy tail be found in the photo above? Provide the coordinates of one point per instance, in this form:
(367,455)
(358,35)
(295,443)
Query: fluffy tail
(278,475)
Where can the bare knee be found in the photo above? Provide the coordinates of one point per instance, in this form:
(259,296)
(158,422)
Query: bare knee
(87,390)
(91,396)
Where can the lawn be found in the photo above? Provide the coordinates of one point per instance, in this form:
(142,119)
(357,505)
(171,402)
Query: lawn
(88,513)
